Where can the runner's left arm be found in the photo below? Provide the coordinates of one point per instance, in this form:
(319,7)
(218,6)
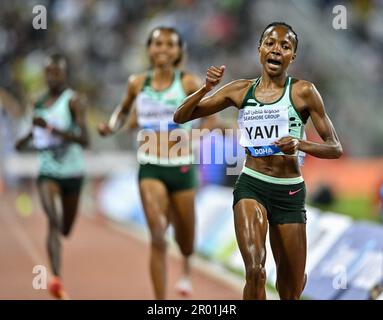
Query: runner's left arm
(331,147)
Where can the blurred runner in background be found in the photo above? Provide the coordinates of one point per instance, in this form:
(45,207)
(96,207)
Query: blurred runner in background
(59,133)
(167,176)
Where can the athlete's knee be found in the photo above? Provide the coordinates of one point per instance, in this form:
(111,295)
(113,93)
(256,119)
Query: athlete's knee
(185,240)
(54,230)
(53,239)
(256,273)
(187,249)
(66,231)
(291,291)
(53,223)
(158,240)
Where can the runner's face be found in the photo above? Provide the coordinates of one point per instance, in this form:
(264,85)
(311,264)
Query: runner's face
(164,49)
(277,50)
(55,74)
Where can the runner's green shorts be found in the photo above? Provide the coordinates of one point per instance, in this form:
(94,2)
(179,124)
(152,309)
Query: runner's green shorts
(283,198)
(67,185)
(175,178)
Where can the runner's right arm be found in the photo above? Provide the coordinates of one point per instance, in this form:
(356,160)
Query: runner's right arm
(120,114)
(196,106)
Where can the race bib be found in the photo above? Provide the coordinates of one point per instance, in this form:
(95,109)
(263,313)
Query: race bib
(263,151)
(261,126)
(42,138)
(153,114)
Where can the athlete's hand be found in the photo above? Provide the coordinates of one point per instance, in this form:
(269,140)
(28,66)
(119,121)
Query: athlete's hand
(39,122)
(287,145)
(104,129)
(214,76)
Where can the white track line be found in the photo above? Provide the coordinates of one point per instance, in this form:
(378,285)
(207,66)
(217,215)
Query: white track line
(19,233)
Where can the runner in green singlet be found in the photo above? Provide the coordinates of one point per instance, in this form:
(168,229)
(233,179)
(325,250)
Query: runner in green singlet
(167,179)
(59,133)
(270,191)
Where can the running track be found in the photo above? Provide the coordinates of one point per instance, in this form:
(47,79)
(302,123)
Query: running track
(100,260)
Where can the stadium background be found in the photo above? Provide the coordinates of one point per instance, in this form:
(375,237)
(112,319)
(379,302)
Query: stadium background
(105,42)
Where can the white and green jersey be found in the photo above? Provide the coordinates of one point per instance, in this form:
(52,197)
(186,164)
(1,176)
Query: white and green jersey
(155,109)
(58,158)
(261,124)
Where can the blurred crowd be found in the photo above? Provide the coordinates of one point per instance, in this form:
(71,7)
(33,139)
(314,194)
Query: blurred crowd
(105,42)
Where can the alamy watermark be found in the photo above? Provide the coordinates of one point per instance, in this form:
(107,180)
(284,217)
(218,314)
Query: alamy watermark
(207,146)
(40,19)
(339,282)
(39,281)
(340,19)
